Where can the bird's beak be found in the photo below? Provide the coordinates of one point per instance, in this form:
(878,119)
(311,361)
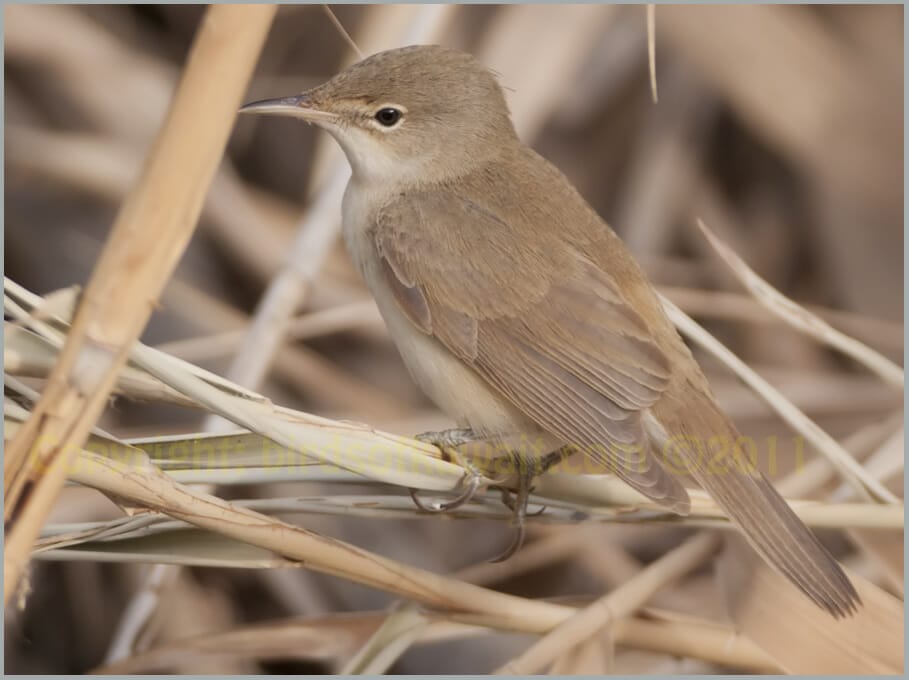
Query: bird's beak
(299,106)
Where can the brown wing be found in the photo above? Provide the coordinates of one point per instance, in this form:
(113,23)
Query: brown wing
(543,325)
(547,326)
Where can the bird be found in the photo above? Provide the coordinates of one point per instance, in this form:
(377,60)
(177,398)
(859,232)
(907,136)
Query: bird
(520,312)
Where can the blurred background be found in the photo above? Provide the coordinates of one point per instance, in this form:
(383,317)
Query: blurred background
(780,126)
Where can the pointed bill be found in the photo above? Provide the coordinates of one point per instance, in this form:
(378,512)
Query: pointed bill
(297,106)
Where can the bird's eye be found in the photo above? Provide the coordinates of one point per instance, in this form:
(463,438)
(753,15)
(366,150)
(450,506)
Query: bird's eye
(388,116)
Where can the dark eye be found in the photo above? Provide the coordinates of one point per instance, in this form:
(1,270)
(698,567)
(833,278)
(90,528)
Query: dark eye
(388,116)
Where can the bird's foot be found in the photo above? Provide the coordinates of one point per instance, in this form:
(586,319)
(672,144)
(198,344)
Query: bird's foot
(527,470)
(447,442)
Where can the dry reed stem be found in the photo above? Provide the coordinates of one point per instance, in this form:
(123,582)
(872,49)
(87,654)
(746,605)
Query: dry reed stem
(108,168)
(287,290)
(146,242)
(393,459)
(125,94)
(704,640)
(145,485)
(149,487)
(887,553)
(831,108)
(329,637)
(304,327)
(343,32)
(814,98)
(538,554)
(158,580)
(29,355)
(595,656)
(805,482)
(800,318)
(309,439)
(663,174)
(310,372)
(651,50)
(404,626)
(715,304)
(28,309)
(334,636)
(865,485)
(615,605)
(884,464)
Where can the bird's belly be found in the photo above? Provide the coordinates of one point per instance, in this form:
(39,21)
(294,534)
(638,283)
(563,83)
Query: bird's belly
(453,386)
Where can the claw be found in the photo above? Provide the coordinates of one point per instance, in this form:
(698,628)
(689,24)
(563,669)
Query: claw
(473,484)
(508,502)
(516,544)
(518,506)
(420,504)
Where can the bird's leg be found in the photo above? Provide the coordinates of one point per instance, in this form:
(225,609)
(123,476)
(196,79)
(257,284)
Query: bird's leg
(447,442)
(554,457)
(527,471)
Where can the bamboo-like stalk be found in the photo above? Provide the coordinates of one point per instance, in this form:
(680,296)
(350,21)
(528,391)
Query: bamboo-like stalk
(312,325)
(615,605)
(149,487)
(125,93)
(651,50)
(327,636)
(403,627)
(710,642)
(798,317)
(145,485)
(401,455)
(148,237)
(852,472)
(714,304)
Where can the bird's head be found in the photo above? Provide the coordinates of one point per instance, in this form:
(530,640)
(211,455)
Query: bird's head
(407,113)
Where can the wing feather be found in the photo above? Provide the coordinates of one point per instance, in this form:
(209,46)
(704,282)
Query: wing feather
(572,354)
(548,327)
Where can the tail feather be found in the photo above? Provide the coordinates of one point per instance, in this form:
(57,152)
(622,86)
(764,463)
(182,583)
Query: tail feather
(702,440)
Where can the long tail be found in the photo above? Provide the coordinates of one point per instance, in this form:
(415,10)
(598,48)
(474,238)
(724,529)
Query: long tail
(702,440)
